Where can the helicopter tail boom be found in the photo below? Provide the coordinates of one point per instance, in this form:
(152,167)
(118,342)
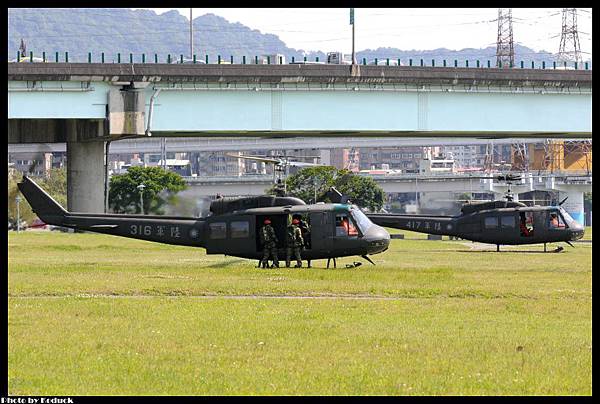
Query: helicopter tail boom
(162,229)
(47,209)
(442,225)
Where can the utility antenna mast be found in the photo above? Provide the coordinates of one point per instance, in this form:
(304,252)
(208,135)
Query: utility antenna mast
(569,40)
(505,52)
(22,48)
(191,37)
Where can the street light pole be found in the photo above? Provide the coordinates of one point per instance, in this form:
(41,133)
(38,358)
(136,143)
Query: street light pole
(352,23)
(141,189)
(18,200)
(191,37)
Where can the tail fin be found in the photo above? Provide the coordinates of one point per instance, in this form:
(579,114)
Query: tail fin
(42,204)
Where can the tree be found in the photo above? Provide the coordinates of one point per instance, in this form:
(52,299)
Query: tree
(160,187)
(308,182)
(316,181)
(361,190)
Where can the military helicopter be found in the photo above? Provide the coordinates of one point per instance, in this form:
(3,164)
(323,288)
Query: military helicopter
(337,230)
(506,222)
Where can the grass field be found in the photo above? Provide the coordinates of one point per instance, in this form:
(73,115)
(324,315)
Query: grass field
(100,315)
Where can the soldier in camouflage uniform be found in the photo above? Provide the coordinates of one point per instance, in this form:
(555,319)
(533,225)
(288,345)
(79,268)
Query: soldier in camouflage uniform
(269,240)
(305,228)
(294,244)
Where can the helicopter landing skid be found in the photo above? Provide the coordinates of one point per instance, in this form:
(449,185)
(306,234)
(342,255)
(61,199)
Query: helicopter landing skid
(556,250)
(367,258)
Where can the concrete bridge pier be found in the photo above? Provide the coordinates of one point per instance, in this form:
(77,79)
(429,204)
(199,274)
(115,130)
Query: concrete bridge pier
(85,177)
(85,140)
(574,203)
(85,154)
(574,194)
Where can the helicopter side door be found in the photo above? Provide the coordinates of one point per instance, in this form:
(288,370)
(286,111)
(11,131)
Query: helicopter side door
(490,226)
(554,221)
(346,232)
(320,229)
(508,226)
(527,225)
(230,235)
(551,225)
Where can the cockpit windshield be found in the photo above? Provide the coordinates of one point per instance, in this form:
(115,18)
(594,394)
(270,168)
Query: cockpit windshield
(363,222)
(568,219)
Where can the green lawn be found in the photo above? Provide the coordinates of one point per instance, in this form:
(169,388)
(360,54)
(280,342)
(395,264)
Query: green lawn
(94,315)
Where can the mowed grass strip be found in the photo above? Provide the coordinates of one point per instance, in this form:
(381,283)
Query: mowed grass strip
(463,321)
(183,345)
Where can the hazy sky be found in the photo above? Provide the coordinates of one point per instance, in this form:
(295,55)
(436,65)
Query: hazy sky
(328,29)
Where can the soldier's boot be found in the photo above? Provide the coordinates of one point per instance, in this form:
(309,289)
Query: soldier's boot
(308,264)
(265,264)
(275,261)
(298,264)
(287,263)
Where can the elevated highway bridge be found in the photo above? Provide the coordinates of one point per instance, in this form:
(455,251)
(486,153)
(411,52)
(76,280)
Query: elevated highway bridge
(86,104)
(234,144)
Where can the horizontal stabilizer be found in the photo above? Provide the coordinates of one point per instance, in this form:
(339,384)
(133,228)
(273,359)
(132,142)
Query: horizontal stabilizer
(48,210)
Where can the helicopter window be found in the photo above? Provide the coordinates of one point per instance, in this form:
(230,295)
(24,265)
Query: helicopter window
(570,222)
(507,222)
(217,230)
(344,226)
(491,222)
(555,221)
(362,220)
(240,229)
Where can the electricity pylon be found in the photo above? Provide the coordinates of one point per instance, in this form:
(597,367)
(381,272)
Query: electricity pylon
(569,50)
(505,52)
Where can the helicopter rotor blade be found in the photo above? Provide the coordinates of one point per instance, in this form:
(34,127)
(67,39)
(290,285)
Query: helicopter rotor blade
(302,164)
(302,157)
(257,158)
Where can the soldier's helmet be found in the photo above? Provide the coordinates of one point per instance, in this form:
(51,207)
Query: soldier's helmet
(295,221)
(267,221)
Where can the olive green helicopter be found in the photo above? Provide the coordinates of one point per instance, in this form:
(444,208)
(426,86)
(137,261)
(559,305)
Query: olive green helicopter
(232,227)
(503,222)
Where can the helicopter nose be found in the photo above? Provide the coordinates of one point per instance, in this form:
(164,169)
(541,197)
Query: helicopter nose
(576,234)
(378,239)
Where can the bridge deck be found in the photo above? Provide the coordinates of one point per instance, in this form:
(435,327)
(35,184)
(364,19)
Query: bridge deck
(296,74)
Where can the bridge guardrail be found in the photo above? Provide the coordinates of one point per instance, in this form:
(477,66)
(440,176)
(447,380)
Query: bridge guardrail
(243,59)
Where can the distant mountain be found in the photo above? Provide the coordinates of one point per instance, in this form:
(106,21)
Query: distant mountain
(522,53)
(126,31)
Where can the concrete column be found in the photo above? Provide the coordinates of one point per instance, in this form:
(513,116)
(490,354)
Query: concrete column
(85,176)
(325,156)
